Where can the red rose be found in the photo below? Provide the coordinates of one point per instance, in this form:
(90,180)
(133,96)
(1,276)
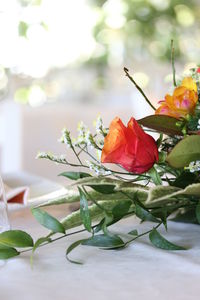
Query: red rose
(129,147)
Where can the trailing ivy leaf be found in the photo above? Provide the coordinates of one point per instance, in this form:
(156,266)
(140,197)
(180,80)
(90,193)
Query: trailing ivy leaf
(100,225)
(72,196)
(37,244)
(160,242)
(107,181)
(40,241)
(133,232)
(104,241)
(72,247)
(8,252)
(84,211)
(160,193)
(162,214)
(161,123)
(16,238)
(103,189)
(118,212)
(75,175)
(73,220)
(198,212)
(47,220)
(186,151)
(121,209)
(155,176)
(144,215)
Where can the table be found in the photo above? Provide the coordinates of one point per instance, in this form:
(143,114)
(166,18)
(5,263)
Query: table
(138,272)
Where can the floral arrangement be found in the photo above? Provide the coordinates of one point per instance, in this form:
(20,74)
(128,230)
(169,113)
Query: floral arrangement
(154,179)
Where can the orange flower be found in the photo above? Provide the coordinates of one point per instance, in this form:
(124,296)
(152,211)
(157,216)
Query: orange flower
(182,102)
(129,147)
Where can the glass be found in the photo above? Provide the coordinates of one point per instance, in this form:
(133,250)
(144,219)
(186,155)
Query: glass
(4,222)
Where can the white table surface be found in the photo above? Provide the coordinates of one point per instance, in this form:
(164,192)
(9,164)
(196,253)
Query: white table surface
(138,272)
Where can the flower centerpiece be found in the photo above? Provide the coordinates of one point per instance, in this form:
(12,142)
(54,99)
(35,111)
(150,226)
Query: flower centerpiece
(156,180)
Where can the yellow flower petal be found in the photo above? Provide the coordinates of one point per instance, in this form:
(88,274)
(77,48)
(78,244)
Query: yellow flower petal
(189,83)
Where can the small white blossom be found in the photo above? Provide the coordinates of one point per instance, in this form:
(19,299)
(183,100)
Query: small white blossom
(89,139)
(65,138)
(82,128)
(98,169)
(194,166)
(41,155)
(99,126)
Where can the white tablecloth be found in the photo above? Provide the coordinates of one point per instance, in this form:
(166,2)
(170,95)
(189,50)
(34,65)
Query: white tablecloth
(138,272)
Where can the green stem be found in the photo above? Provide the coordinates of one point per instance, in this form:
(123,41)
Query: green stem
(77,156)
(56,239)
(142,234)
(172,61)
(138,88)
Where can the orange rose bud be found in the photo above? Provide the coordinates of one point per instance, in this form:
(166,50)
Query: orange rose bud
(129,147)
(182,102)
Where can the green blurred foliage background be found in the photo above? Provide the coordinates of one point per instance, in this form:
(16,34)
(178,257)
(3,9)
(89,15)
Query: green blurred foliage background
(54,40)
(144,28)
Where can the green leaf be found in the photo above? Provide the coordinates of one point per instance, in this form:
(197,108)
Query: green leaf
(8,252)
(104,241)
(16,238)
(144,215)
(47,220)
(120,210)
(120,186)
(100,225)
(133,232)
(39,242)
(186,151)
(72,196)
(96,214)
(197,211)
(155,176)
(103,189)
(160,242)
(75,175)
(84,211)
(71,248)
(161,123)
(162,157)
(160,193)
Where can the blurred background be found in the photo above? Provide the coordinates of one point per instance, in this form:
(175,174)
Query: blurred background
(61,61)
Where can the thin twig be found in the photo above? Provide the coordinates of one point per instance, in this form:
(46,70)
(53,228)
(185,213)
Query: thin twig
(138,88)
(94,201)
(172,61)
(142,234)
(56,239)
